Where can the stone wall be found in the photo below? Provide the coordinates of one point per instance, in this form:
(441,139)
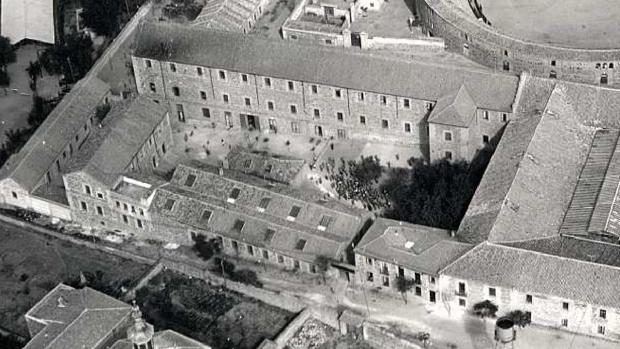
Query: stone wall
(382,337)
(481,43)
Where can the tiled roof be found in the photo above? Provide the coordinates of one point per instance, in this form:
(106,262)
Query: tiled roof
(227,14)
(266,166)
(30,164)
(416,247)
(111,148)
(575,248)
(322,65)
(522,270)
(456,109)
(167,339)
(75,318)
(212,192)
(537,164)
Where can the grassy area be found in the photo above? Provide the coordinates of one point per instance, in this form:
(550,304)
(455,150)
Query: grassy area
(211,314)
(31,265)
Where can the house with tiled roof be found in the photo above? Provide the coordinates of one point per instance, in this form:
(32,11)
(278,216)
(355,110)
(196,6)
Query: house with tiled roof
(543,217)
(231,15)
(257,219)
(391,249)
(133,137)
(245,82)
(85,318)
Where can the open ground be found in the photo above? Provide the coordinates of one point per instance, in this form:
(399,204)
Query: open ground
(591,24)
(31,265)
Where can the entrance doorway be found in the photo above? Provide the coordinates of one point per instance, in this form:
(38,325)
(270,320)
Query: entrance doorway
(432,296)
(318,130)
(253,123)
(604,79)
(356,40)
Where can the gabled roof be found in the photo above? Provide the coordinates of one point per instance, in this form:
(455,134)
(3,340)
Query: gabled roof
(321,65)
(75,318)
(456,109)
(210,191)
(111,148)
(537,273)
(416,247)
(268,166)
(537,164)
(30,164)
(229,15)
(167,339)
(28,19)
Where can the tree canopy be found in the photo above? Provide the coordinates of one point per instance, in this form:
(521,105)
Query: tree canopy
(102,16)
(485,309)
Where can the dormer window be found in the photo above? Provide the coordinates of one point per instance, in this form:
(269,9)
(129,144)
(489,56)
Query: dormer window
(169,204)
(325,222)
(222,75)
(292,215)
(406,103)
(234,194)
(301,243)
(262,205)
(199,71)
(189,181)
(206,215)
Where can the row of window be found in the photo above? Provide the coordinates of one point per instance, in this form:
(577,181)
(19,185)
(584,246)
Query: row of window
(100,212)
(266,254)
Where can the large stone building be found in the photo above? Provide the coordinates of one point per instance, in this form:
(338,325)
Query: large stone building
(84,318)
(254,83)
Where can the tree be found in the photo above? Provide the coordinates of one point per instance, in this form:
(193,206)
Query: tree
(520,318)
(7,53)
(485,309)
(206,248)
(404,285)
(102,16)
(39,112)
(322,264)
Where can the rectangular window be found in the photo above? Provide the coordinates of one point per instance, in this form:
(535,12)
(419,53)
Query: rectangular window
(447,136)
(317,113)
(270,105)
(315,89)
(385,124)
(139,223)
(168,205)
(601,330)
(222,75)
(84,206)
(564,322)
(448,155)
(485,115)
(294,127)
(244,78)
(189,181)
(269,234)
(361,96)
(87,189)
(203,95)
(462,289)
(265,254)
(238,225)
(293,109)
(492,292)
(234,195)
(206,215)
(199,71)
(206,113)
(125,219)
(325,222)
(262,205)
(100,210)
(407,127)
(462,302)
(225,98)
(148,63)
(565,305)
(176,91)
(417,278)
(362,120)
(406,103)
(291,86)
(152,87)
(267,82)
(528,298)
(280,259)
(370,277)
(340,116)
(383,100)
(292,215)
(173,67)
(342,133)
(602,314)
(504,117)
(418,291)
(485,139)
(247,101)
(338,93)
(301,243)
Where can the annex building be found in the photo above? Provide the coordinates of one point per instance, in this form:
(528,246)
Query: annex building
(247,82)
(85,318)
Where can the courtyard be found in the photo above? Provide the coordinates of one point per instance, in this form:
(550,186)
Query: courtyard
(32,264)
(390,21)
(211,314)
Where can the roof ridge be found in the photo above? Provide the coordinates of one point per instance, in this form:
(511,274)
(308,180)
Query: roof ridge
(478,246)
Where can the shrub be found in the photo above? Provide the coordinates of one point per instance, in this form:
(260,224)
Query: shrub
(520,318)
(248,277)
(206,248)
(485,309)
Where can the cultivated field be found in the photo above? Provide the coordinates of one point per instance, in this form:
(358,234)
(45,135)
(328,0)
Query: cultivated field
(31,265)
(211,314)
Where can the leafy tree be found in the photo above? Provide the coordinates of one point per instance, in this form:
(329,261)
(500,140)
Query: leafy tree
(485,309)
(404,285)
(246,276)
(7,56)
(322,264)
(368,169)
(102,16)
(40,110)
(206,248)
(520,318)
(73,58)
(10,342)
